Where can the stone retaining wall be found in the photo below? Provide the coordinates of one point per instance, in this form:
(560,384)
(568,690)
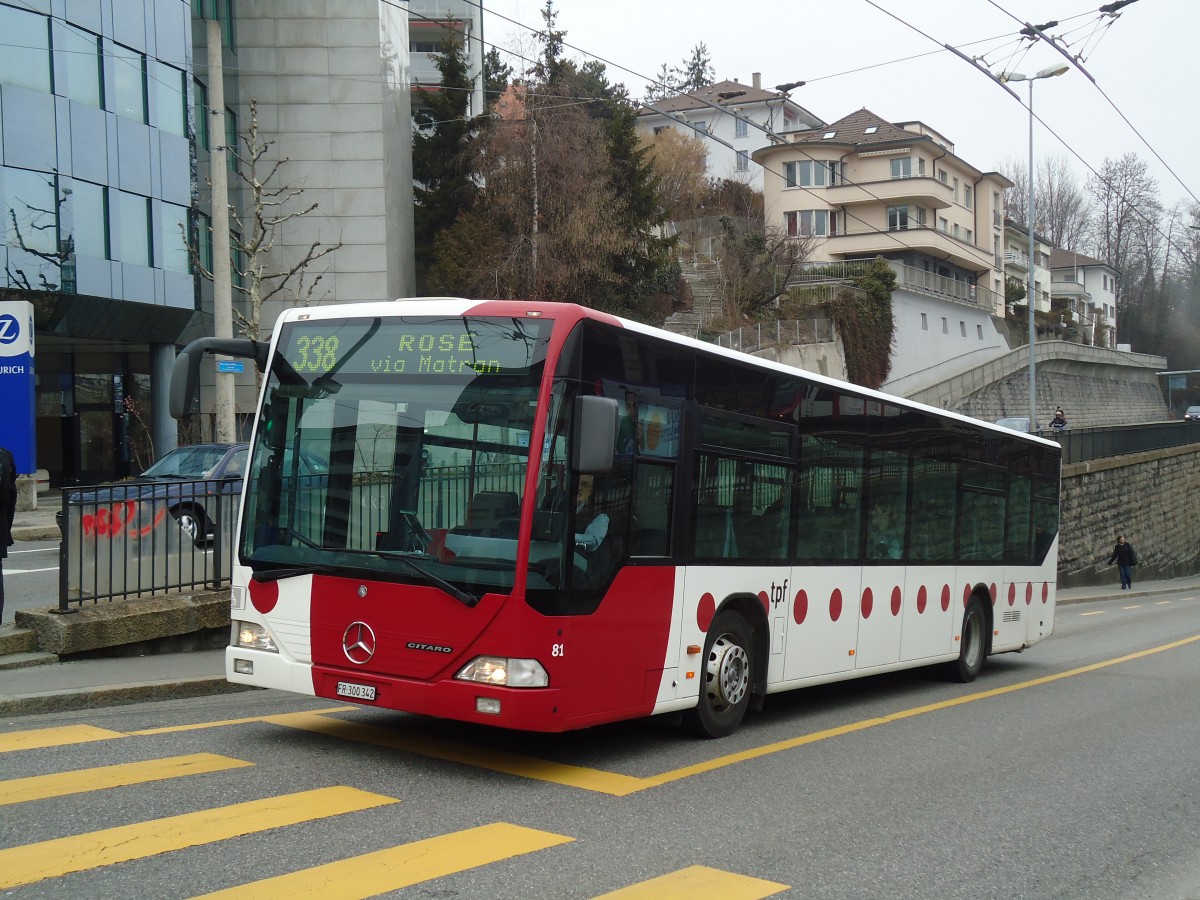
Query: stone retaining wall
(1152,498)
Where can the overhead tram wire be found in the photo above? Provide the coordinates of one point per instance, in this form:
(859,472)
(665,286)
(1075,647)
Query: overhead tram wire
(1038,30)
(995,79)
(775,138)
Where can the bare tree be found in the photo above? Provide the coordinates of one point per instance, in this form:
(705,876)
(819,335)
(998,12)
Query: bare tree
(271,206)
(679,162)
(1060,205)
(34,231)
(756,265)
(1125,201)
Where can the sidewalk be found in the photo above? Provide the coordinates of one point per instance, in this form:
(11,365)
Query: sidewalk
(37,524)
(93,683)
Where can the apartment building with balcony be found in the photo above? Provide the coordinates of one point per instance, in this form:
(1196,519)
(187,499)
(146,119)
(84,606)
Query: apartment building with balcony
(863,187)
(1084,291)
(733,119)
(429,23)
(1016,263)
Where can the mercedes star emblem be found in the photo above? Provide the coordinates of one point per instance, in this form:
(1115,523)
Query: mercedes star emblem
(358,643)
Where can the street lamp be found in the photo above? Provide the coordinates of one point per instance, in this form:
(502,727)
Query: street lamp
(1049,72)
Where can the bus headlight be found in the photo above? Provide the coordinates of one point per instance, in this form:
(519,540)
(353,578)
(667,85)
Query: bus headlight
(504,672)
(254,636)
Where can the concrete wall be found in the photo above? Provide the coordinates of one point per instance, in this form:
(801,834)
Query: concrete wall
(1150,497)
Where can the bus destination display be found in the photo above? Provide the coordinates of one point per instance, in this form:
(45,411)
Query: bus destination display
(408,347)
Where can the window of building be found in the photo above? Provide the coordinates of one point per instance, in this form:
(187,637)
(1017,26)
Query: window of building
(129,81)
(131,226)
(811,222)
(170,99)
(979,331)
(968,235)
(943,177)
(743,161)
(897,218)
(924,322)
(902,167)
(955,190)
(956,230)
(701,125)
(1106,282)
(200,111)
(80,72)
(945,326)
(30,216)
(943,224)
(231,138)
(921,166)
(25,60)
(962,327)
(661,129)
(89,218)
(829,134)
(871,129)
(968,197)
(204,248)
(812,173)
(174,255)
(741,127)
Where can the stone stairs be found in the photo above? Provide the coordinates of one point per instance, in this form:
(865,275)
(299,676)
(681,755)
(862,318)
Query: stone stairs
(703,276)
(19,649)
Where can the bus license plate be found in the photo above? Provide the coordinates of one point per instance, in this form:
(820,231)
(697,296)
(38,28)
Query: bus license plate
(355,691)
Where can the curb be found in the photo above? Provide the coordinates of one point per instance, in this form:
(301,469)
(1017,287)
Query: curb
(116,695)
(35,533)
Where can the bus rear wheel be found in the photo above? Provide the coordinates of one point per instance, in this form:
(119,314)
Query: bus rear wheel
(727,672)
(972,649)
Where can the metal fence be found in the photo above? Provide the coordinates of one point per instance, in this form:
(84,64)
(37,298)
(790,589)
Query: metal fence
(1081,444)
(774,334)
(142,539)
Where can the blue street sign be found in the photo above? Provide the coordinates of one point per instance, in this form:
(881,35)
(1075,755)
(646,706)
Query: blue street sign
(16,383)
(230,365)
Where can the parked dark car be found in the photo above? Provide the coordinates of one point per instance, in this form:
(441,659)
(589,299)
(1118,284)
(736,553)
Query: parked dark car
(1192,414)
(189,480)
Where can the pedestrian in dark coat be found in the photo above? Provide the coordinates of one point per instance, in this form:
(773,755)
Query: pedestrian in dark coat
(1126,558)
(8,508)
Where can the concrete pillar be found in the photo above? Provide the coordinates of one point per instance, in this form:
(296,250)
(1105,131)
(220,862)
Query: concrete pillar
(26,493)
(163,429)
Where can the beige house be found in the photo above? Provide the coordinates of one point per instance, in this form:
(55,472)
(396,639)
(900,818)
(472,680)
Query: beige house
(1017,262)
(865,187)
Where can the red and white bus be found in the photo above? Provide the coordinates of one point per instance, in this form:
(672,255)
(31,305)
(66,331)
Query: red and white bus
(751,528)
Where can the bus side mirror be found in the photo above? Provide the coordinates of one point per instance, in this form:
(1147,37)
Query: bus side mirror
(594,441)
(186,373)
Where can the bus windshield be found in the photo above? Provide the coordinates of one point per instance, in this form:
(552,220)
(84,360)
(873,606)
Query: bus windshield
(424,425)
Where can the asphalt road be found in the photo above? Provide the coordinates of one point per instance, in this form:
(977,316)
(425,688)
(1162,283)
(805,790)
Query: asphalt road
(30,577)
(1068,771)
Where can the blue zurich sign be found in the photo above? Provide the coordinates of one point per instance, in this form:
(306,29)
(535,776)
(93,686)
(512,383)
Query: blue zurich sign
(16,383)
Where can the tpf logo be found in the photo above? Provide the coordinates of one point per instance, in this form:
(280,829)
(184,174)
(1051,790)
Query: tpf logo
(10,329)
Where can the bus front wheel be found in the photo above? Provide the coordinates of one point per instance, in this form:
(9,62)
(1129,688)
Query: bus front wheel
(972,649)
(727,669)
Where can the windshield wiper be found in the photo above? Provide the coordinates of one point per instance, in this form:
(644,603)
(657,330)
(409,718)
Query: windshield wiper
(463,597)
(293,571)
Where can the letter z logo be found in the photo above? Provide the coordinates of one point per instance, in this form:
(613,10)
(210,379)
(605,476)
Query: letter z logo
(10,329)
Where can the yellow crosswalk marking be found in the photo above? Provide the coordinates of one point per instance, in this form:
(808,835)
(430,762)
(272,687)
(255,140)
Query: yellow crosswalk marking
(54,737)
(60,784)
(400,867)
(49,859)
(698,883)
(471,755)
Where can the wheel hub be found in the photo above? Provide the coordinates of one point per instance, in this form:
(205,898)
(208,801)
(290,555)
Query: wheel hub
(728,673)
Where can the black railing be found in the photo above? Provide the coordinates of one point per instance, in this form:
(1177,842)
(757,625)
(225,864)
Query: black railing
(139,539)
(1082,444)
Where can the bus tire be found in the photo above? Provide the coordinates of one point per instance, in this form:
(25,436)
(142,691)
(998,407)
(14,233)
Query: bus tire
(972,649)
(727,673)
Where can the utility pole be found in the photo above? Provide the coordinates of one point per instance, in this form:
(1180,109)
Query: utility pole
(224,418)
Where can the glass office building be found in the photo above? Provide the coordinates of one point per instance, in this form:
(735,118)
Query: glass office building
(104,151)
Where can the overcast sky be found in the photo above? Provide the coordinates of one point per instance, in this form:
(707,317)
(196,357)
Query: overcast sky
(1144,60)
